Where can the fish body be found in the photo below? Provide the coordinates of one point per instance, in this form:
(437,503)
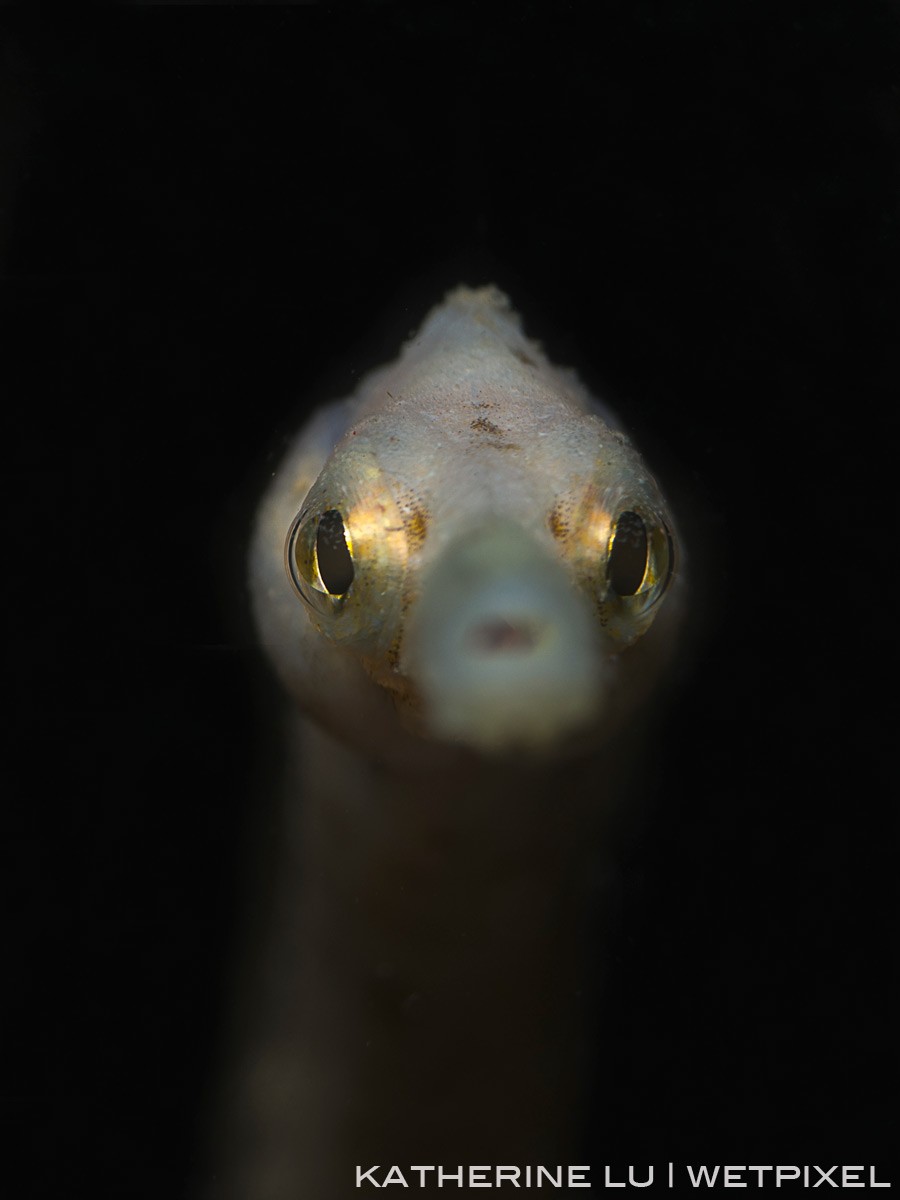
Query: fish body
(465,577)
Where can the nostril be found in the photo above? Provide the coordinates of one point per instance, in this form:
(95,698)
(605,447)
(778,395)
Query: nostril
(497,635)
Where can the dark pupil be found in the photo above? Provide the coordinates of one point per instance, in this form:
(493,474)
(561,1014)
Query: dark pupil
(335,563)
(628,556)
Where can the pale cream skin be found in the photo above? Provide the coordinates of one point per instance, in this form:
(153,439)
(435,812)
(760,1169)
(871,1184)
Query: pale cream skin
(464,711)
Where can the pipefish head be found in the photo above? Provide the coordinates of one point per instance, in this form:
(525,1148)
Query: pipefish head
(499,604)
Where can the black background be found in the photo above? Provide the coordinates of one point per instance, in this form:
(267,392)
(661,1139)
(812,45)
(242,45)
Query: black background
(211,220)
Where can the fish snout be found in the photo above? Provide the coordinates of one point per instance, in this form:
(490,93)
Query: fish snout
(501,644)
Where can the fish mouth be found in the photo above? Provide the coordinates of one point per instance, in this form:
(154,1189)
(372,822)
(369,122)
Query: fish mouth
(501,635)
(501,646)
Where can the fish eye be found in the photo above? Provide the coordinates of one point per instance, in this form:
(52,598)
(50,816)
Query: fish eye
(319,557)
(626,562)
(638,568)
(346,551)
(332,554)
